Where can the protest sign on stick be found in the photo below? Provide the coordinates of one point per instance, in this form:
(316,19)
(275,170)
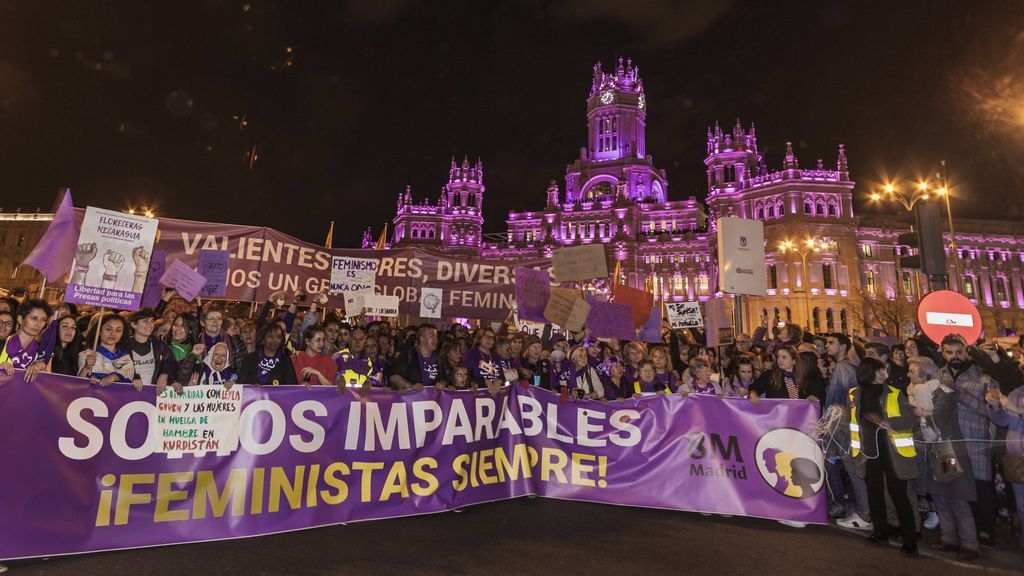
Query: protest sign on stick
(608,320)
(111,260)
(185,280)
(353,274)
(639,302)
(566,308)
(201,419)
(378,305)
(431,300)
(684,314)
(574,263)
(213,265)
(532,290)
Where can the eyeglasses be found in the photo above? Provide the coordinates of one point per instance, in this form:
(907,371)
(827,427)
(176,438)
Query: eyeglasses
(7,323)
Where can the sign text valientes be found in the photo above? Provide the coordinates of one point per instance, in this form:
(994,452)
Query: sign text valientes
(263,261)
(85,470)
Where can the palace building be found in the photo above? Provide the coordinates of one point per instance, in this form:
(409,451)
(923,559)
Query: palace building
(828,268)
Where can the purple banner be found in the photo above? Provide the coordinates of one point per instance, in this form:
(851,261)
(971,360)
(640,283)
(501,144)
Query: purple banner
(83,475)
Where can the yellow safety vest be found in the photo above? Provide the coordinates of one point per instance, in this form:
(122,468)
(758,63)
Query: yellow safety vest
(902,441)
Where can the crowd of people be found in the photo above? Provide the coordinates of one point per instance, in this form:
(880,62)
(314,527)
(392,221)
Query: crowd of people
(916,435)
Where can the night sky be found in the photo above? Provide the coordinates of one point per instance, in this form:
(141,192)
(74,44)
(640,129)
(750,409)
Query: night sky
(143,103)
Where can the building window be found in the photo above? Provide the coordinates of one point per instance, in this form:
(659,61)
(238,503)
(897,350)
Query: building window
(760,213)
(773,277)
(728,173)
(869,281)
(908,287)
(816,314)
(702,285)
(809,208)
(866,249)
(21,240)
(770,212)
(776,317)
(789,314)
(830,320)
(821,208)
(833,210)
(999,285)
(842,321)
(826,276)
(779,210)
(969,287)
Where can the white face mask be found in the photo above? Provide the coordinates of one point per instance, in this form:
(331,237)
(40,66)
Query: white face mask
(557,355)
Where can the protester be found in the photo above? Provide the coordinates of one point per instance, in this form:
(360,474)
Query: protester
(67,349)
(701,382)
(271,363)
(587,384)
(216,370)
(616,385)
(418,366)
(663,371)
(6,324)
(30,346)
(897,374)
(311,366)
(110,362)
(635,354)
(780,381)
(448,359)
(481,359)
(647,381)
(843,379)
(532,367)
(153,360)
(740,377)
(882,444)
(212,322)
(561,371)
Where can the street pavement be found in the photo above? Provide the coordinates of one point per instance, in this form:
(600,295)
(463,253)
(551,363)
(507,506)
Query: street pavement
(535,537)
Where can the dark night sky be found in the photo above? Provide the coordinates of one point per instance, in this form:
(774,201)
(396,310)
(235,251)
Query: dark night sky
(137,102)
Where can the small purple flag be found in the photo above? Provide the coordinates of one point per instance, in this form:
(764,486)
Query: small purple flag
(651,331)
(55,252)
(533,288)
(151,294)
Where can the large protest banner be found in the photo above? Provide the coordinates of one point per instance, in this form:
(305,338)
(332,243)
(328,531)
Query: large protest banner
(263,261)
(85,474)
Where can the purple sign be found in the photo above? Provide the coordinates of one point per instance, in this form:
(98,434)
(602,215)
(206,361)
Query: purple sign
(533,288)
(213,265)
(651,331)
(151,295)
(84,475)
(185,280)
(607,320)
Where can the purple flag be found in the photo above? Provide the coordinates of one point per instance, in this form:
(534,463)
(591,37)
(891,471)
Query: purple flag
(55,251)
(533,287)
(151,294)
(651,332)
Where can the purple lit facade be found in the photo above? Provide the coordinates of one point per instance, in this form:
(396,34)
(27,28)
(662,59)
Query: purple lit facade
(615,195)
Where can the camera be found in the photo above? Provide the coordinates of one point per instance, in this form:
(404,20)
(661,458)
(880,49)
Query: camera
(300,298)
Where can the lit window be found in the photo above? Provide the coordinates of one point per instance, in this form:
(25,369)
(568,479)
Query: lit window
(969,287)
(869,284)
(908,287)
(773,277)
(826,276)
(702,285)
(867,250)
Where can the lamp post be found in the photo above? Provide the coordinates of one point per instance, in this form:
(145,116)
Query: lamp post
(903,198)
(809,245)
(944,192)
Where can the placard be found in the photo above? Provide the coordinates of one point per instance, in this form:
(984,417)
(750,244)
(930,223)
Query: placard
(151,294)
(639,301)
(651,331)
(185,280)
(201,419)
(377,305)
(111,260)
(431,301)
(533,287)
(566,308)
(353,303)
(741,264)
(607,320)
(573,263)
(684,315)
(353,274)
(213,265)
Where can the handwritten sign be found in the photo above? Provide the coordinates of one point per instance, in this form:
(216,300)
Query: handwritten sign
(534,328)
(566,308)
(213,265)
(201,419)
(151,293)
(353,274)
(377,305)
(684,314)
(185,280)
(579,263)
(610,321)
(431,300)
(532,290)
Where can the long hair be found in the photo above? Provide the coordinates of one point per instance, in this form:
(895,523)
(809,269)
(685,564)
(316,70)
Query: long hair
(94,326)
(806,369)
(870,393)
(191,325)
(777,376)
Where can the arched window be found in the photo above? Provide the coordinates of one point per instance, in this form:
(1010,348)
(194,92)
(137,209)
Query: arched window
(833,210)
(770,212)
(760,214)
(779,210)
(809,208)
(842,321)
(789,314)
(969,287)
(821,208)
(817,319)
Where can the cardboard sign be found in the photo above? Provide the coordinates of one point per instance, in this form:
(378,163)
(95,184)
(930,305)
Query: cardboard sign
(534,328)
(377,305)
(213,265)
(611,321)
(354,303)
(431,300)
(639,301)
(574,263)
(945,312)
(741,265)
(566,308)
(532,290)
(151,294)
(651,331)
(684,315)
(353,274)
(185,280)
(111,260)
(199,420)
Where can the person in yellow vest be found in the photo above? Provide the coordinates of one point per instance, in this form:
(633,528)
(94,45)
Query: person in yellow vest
(881,420)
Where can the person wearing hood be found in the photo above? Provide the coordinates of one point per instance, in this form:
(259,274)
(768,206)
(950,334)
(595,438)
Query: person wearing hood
(271,363)
(216,369)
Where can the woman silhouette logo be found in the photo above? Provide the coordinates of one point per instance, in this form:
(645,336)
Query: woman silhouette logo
(791,463)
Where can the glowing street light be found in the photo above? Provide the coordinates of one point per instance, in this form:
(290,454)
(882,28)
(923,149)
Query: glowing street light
(907,200)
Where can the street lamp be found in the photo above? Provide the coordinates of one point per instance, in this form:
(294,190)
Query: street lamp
(944,192)
(903,198)
(803,249)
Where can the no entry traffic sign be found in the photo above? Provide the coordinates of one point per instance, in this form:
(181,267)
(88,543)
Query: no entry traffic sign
(946,312)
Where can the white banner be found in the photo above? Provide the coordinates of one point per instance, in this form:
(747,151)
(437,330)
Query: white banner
(201,419)
(376,305)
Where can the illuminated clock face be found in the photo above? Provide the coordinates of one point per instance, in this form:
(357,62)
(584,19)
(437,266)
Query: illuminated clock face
(606,97)
(642,102)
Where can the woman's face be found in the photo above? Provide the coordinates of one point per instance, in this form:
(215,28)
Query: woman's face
(911,348)
(68,330)
(899,357)
(647,373)
(371,348)
(881,376)
(272,340)
(617,370)
(487,340)
(454,355)
(517,346)
(248,334)
(660,359)
(533,351)
(461,376)
(219,358)
(6,324)
(784,360)
(702,375)
(745,372)
(111,332)
(178,332)
(579,358)
(33,323)
(634,355)
(315,345)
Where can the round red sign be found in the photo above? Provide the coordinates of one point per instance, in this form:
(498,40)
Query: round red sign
(946,312)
